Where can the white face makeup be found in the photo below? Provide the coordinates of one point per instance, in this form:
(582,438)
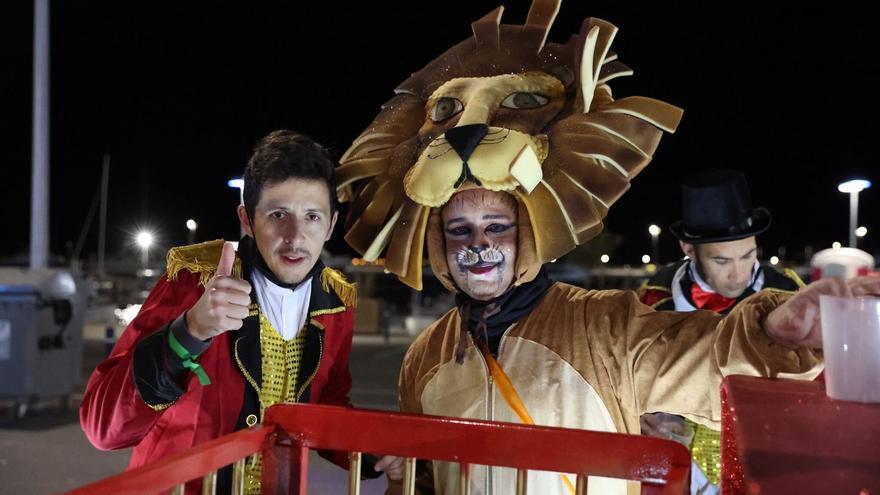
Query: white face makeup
(481,241)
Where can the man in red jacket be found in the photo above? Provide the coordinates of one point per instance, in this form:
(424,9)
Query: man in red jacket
(225,335)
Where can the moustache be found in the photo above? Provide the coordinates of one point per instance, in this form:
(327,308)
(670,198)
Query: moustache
(468,257)
(295,252)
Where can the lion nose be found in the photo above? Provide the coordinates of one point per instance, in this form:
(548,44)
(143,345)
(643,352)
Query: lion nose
(465,139)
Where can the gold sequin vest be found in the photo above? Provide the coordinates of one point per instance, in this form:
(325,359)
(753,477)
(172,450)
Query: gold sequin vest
(706,451)
(280,367)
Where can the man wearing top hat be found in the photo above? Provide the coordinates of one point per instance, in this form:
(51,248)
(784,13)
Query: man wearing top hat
(717,235)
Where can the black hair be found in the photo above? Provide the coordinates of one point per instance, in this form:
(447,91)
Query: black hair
(282,155)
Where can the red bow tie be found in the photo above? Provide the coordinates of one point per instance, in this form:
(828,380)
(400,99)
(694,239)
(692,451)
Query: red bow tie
(712,301)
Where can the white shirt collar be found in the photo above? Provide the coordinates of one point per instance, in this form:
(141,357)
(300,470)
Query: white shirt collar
(276,290)
(285,309)
(680,299)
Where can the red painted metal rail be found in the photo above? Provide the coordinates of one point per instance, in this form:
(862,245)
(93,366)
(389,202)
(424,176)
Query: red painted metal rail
(289,431)
(167,473)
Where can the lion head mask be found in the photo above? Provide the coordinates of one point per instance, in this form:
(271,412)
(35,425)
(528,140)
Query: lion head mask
(506,111)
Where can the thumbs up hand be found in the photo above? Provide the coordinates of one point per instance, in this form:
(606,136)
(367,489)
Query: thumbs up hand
(224,304)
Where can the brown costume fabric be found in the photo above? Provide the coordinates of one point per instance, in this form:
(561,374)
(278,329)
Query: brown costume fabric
(566,150)
(595,360)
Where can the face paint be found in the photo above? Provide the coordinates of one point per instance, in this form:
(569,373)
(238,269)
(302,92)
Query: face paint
(478,260)
(480,235)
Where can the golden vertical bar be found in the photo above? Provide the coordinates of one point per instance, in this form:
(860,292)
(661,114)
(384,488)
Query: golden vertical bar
(464,479)
(209,484)
(238,477)
(179,489)
(581,485)
(354,473)
(409,476)
(522,481)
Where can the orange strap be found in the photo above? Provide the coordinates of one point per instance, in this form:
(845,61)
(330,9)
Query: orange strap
(512,398)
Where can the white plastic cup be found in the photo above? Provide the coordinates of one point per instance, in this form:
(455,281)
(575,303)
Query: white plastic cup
(851,343)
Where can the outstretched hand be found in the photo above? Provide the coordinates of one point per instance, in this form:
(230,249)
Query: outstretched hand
(796,323)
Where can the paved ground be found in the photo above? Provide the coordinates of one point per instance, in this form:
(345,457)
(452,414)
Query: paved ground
(46,452)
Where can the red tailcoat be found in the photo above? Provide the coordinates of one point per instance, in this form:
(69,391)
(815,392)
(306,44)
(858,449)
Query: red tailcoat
(114,413)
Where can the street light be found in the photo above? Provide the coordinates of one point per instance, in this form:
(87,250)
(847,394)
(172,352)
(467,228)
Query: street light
(646,259)
(853,187)
(191,226)
(655,241)
(604,258)
(144,239)
(835,245)
(238,183)
(774,260)
(861,232)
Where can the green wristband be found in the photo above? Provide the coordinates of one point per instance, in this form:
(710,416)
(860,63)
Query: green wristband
(188,359)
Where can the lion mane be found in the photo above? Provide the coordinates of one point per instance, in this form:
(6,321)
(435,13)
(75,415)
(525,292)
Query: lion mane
(532,118)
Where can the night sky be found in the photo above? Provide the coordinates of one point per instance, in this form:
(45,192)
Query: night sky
(178,93)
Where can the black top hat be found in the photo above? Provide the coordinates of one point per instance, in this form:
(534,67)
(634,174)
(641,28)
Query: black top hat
(716,206)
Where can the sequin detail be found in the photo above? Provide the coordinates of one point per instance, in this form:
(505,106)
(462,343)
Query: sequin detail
(706,451)
(280,365)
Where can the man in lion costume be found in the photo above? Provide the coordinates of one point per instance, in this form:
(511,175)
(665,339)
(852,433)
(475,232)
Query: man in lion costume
(503,154)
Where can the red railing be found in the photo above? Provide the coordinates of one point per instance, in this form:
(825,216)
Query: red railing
(289,431)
